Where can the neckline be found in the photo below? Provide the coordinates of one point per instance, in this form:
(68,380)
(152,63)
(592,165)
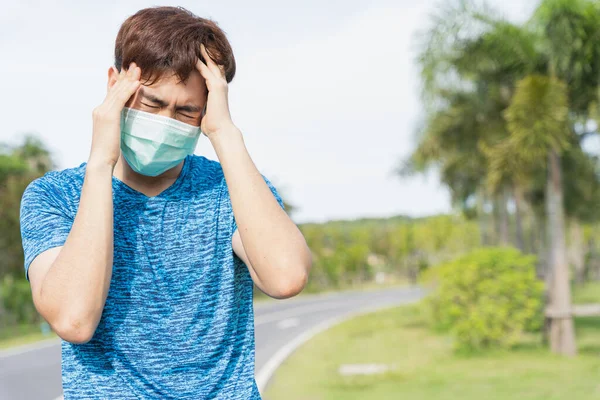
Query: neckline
(171,188)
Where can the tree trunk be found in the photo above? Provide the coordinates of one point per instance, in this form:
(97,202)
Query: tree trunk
(577,251)
(541,247)
(501,217)
(482,218)
(519,218)
(562,334)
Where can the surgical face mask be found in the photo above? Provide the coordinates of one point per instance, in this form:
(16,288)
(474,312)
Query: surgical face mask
(152,144)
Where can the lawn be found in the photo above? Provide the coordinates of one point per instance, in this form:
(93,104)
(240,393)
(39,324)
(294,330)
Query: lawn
(428,368)
(589,293)
(22,334)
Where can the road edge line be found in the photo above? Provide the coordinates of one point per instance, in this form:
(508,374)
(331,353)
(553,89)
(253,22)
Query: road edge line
(266,372)
(24,348)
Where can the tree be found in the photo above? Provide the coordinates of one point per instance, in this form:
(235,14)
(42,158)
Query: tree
(537,119)
(19,165)
(508,71)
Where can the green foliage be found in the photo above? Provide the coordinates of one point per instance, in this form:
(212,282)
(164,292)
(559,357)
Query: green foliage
(498,96)
(352,252)
(486,298)
(537,117)
(19,165)
(15,294)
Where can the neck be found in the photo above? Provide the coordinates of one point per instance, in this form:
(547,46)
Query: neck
(127,175)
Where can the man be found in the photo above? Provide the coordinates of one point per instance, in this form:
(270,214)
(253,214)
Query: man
(142,259)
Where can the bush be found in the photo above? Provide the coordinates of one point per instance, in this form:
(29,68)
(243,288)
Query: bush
(487,298)
(15,295)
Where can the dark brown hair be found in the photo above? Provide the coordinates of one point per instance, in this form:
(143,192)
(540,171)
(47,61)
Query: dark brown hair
(164,40)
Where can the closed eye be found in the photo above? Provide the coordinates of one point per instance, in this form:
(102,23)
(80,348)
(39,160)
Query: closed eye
(149,106)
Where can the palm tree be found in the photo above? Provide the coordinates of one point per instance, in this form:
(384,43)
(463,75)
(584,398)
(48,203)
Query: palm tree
(537,119)
(511,71)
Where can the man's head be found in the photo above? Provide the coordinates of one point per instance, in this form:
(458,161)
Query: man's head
(165,43)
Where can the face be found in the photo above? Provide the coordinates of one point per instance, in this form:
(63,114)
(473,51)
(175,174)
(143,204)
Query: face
(181,101)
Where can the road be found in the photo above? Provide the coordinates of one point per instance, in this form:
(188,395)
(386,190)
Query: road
(34,372)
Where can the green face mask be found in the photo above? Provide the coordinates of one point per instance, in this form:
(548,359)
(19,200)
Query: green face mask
(152,144)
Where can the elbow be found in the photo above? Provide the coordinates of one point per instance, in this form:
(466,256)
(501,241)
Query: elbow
(291,287)
(75,331)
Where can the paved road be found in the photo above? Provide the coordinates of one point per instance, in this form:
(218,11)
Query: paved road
(34,372)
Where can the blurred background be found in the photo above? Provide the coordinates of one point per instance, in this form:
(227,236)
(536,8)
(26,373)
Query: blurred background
(440,157)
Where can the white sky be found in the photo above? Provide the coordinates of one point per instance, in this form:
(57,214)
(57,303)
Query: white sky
(325,93)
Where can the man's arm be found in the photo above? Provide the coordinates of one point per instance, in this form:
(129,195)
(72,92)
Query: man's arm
(267,240)
(70,283)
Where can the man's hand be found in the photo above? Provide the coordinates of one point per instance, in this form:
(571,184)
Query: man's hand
(70,283)
(106,137)
(217,117)
(267,240)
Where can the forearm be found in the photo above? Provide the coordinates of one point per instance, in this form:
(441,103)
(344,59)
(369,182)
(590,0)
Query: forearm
(274,245)
(75,288)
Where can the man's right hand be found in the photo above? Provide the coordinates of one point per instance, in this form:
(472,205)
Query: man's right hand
(106,137)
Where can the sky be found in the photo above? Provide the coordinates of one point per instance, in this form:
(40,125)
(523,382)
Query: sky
(326,94)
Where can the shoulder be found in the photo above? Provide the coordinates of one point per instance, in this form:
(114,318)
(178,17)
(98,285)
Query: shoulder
(211,172)
(212,169)
(205,168)
(55,186)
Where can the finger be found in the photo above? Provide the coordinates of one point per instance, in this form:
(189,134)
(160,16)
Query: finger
(128,90)
(204,70)
(115,86)
(222,70)
(210,63)
(133,73)
(127,86)
(131,69)
(118,86)
(137,73)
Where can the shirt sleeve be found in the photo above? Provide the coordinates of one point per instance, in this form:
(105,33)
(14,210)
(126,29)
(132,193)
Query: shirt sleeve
(43,218)
(275,194)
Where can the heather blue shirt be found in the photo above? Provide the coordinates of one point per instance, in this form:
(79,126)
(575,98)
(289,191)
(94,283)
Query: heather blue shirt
(178,321)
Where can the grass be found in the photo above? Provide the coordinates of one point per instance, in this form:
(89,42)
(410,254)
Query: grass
(588,293)
(22,334)
(427,367)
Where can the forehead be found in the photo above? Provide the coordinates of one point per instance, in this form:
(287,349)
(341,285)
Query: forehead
(169,88)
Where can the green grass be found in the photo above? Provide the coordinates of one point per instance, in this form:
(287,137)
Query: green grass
(587,293)
(428,368)
(22,334)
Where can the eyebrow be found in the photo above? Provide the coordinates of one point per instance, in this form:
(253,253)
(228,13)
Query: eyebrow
(188,107)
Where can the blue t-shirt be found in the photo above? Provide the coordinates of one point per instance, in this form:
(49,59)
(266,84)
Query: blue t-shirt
(178,322)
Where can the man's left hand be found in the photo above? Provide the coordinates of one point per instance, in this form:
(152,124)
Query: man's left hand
(217,117)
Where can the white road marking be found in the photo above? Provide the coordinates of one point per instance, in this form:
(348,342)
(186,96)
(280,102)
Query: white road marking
(363,369)
(288,323)
(296,311)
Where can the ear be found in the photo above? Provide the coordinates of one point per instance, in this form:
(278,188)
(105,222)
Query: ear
(113,74)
